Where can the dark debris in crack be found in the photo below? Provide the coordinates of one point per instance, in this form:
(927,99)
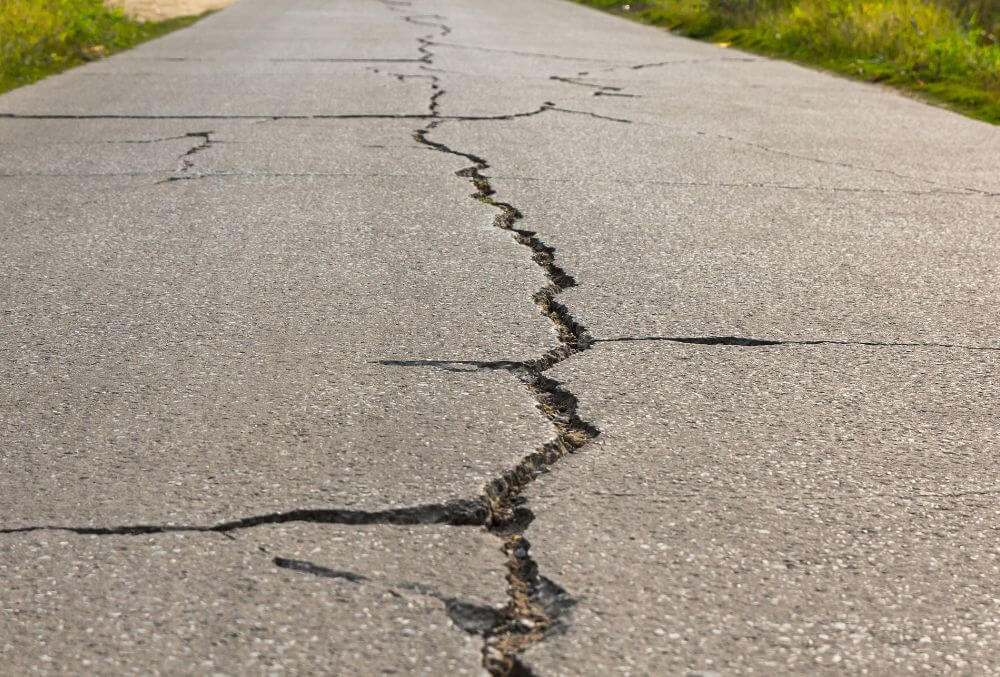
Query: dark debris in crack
(535,604)
(530,613)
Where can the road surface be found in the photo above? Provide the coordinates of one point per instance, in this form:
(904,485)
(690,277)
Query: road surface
(454,337)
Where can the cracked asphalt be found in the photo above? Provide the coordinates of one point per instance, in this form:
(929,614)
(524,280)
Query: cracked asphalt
(450,337)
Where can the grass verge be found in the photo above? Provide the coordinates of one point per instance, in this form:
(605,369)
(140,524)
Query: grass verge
(42,37)
(945,50)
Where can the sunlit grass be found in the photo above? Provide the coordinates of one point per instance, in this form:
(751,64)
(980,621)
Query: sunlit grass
(40,37)
(945,50)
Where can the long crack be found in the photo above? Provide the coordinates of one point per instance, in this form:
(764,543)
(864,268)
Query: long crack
(463,512)
(748,342)
(267,117)
(534,602)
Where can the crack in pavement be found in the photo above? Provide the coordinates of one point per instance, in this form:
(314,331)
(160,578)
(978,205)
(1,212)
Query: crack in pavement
(475,619)
(750,184)
(589,85)
(848,165)
(747,342)
(288,59)
(600,90)
(462,512)
(317,570)
(679,62)
(186,159)
(345,60)
(520,53)
(535,603)
(621,94)
(607,90)
(206,142)
(544,108)
(221,174)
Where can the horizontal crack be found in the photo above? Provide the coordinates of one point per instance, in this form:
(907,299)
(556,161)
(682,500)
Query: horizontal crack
(848,165)
(746,184)
(543,55)
(290,59)
(752,342)
(600,90)
(458,365)
(660,64)
(589,85)
(454,513)
(339,60)
(544,108)
(700,340)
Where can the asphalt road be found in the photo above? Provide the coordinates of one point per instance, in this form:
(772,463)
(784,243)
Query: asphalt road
(446,337)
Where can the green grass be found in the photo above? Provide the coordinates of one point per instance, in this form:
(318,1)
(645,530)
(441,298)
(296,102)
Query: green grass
(945,50)
(41,37)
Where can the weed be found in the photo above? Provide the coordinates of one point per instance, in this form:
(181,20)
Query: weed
(946,50)
(41,37)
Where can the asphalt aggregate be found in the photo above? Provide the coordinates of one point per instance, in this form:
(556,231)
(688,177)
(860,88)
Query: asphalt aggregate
(452,337)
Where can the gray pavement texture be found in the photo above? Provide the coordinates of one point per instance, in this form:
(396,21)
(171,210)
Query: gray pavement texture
(453,337)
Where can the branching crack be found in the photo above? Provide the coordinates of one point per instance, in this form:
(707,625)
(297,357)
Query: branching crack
(206,142)
(187,159)
(535,603)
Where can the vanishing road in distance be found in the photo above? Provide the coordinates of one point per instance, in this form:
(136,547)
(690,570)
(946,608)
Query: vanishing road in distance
(510,338)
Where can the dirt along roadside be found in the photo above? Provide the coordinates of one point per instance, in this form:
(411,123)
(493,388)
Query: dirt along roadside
(159,10)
